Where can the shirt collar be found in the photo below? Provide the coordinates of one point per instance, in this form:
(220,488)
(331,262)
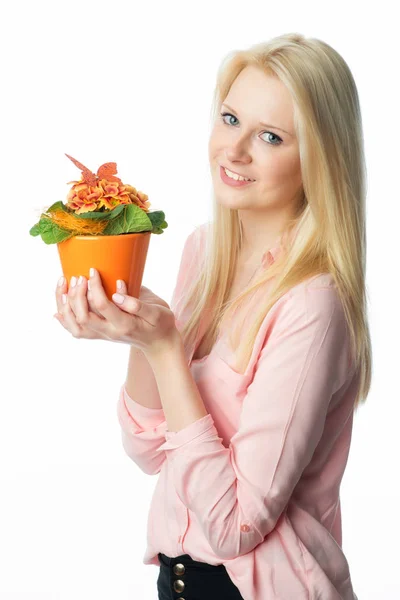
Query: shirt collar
(272,254)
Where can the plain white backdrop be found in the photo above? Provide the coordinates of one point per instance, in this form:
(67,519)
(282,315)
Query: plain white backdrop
(132,83)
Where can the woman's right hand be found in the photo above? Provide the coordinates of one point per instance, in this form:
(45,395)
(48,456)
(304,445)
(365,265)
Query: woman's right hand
(81,296)
(147,296)
(81,300)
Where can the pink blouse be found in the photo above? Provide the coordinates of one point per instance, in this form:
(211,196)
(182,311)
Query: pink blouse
(255,484)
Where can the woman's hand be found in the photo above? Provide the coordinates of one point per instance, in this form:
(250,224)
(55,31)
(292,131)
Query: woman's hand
(146,323)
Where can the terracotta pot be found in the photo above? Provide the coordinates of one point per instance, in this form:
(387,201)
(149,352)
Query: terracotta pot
(114,256)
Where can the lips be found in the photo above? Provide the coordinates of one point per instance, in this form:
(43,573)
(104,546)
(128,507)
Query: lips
(232,182)
(236,173)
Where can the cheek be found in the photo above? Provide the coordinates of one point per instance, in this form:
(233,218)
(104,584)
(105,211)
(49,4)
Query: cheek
(293,164)
(283,167)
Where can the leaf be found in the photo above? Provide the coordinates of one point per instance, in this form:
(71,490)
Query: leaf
(58,205)
(38,227)
(157,218)
(132,220)
(102,216)
(35,230)
(116,211)
(124,218)
(52,233)
(157,230)
(98,215)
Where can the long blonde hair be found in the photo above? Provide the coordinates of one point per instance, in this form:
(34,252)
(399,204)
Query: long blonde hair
(331,221)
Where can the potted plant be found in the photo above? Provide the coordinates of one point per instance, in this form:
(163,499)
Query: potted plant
(104,224)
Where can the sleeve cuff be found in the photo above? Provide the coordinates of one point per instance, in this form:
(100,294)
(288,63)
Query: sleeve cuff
(198,430)
(144,416)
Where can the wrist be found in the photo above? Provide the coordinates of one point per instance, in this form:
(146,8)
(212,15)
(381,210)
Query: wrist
(171,344)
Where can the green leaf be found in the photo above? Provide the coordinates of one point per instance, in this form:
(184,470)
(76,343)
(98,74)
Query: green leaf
(59,205)
(115,211)
(35,230)
(52,233)
(124,218)
(160,228)
(102,216)
(98,215)
(157,218)
(132,220)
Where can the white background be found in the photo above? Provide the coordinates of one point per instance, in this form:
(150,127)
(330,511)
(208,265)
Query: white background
(132,82)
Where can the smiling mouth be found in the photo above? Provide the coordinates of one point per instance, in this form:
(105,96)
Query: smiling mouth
(237,174)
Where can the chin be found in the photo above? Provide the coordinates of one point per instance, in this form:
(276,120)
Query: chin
(229,202)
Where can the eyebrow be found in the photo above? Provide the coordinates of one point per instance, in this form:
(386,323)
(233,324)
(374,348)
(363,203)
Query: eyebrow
(263,124)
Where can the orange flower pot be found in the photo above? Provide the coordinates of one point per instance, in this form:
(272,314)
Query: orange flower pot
(114,256)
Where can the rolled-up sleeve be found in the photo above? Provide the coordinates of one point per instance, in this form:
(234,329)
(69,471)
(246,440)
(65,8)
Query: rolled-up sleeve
(142,432)
(238,493)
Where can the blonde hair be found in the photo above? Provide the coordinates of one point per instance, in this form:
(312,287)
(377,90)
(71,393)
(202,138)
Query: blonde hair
(329,228)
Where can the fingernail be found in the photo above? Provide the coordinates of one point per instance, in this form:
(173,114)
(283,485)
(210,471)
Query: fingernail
(60,281)
(91,272)
(73,281)
(119,284)
(80,279)
(118,298)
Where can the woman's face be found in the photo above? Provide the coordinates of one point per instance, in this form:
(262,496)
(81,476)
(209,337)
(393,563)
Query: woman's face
(268,154)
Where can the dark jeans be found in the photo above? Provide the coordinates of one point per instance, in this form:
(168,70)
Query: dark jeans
(183,578)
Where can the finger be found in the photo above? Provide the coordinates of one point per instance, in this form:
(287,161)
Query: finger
(72,295)
(121,286)
(91,307)
(135,307)
(68,317)
(59,318)
(80,304)
(79,298)
(60,290)
(102,304)
(127,303)
(89,297)
(88,321)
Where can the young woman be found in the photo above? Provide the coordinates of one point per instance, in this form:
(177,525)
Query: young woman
(241,396)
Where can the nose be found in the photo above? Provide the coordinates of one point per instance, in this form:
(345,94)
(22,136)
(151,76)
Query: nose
(237,154)
(236,163)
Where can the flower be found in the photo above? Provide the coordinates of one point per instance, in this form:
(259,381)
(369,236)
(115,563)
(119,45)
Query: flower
(138,198)
(84,198)
(98,204)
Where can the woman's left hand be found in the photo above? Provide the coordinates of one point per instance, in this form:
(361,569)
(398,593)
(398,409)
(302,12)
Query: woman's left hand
(146,325)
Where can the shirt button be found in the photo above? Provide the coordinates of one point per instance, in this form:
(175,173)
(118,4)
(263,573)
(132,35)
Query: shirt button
(244,528)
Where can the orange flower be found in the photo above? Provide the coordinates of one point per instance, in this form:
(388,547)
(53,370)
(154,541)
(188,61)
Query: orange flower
(83,198)
(138,198)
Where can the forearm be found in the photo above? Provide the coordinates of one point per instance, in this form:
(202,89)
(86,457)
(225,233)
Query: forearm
(179,395)
(140,382)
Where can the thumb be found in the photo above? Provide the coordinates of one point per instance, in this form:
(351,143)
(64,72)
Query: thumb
(127,303)
(121,287)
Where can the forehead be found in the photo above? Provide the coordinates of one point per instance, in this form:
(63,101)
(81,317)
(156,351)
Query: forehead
(264,97)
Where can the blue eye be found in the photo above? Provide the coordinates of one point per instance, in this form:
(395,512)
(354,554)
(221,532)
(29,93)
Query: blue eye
(226,114)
